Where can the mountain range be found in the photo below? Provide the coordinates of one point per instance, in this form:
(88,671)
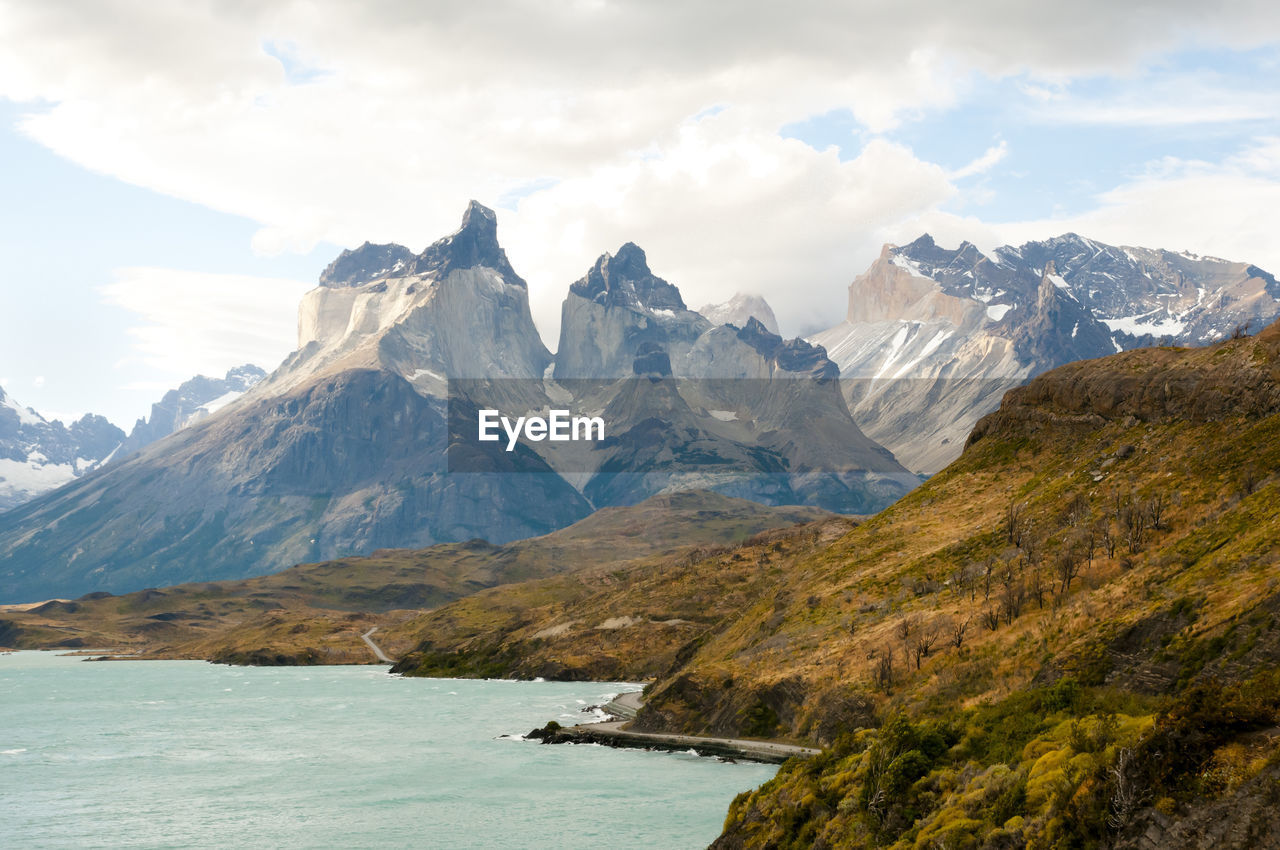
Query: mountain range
(347,446)
(364,437)
(934,337)
(38,455)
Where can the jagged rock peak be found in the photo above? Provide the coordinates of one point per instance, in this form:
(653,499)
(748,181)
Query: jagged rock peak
(244,377)
(624,279)
(739,310)
(928,254)
(792,355)
(367,263)
(474,244)
(923,242)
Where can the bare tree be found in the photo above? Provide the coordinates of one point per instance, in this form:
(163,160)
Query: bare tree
(1128,795)
(1014,523)
(988,571)
(1015,594)
(1036,586)
(957,632)
(1030,549)
(1107,538)
(883,673)
(991,618)
(924,641)
(1068,567)
(1155,511)
(1110,540)
(1249,480)
(963,581)
(906,626)
(1133,520)
(1078,510)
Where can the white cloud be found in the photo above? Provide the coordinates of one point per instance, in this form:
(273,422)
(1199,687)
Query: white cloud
(720,208)
(340,122)
(1165,100)
(344,122)
(982,164)
(200,323)
(38,381)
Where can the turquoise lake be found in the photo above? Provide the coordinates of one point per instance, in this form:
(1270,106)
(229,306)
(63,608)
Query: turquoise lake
(189,754)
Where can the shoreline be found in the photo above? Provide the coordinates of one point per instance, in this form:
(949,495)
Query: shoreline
(625,706)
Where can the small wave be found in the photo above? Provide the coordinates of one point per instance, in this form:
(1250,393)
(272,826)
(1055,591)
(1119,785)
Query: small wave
(13,752)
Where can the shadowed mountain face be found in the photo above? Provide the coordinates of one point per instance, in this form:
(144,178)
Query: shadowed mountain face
(934,337)
(349,447)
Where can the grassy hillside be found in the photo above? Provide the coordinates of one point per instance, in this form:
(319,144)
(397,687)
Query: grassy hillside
(1067,637)
(315,613)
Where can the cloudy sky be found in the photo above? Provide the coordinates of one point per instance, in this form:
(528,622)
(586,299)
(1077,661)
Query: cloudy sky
(174,175)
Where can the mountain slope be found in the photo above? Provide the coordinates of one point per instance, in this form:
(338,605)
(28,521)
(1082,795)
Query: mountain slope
(313,613)
(1097,574)
(934,337)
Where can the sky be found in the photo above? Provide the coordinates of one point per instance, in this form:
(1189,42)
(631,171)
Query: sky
(173,176)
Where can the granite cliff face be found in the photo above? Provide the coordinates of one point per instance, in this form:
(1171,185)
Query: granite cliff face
(615,309)
(934,337)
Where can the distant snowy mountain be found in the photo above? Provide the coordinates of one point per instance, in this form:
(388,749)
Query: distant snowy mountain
(189,403)
(37,455)
(739,310)
(933,336)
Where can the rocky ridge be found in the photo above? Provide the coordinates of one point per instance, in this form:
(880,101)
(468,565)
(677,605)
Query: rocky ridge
(933,337)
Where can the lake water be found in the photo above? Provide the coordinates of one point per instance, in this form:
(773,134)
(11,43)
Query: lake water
(188,754)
